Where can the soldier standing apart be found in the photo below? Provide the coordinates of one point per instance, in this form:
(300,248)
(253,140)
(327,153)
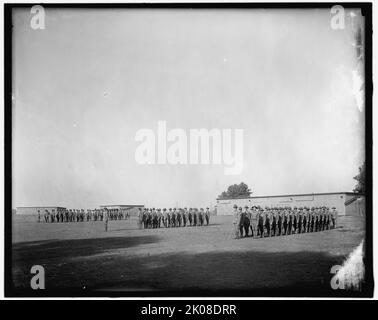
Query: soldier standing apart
(207,216)
(106,218)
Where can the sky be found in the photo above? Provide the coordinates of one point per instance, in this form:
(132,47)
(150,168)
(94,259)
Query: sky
(84,85)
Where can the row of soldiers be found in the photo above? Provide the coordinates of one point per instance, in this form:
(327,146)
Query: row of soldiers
(169,218)
(279,221)
(79,215)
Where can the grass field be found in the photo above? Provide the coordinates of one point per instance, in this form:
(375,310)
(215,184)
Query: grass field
(194,261)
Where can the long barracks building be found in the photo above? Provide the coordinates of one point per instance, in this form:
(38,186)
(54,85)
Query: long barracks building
(346,203)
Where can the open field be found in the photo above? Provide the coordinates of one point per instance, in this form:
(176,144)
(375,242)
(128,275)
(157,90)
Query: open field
(82,258)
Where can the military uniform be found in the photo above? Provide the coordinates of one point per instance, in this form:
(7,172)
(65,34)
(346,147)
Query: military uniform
(280,221)
(184,217)
(190,216)
(179,218)
(106,218)
(334,218)
(260,222)
(285,221)
(236,223)
(274,223)
(295,220)
(200,217)
(207,216)
(195,217)
(254,214)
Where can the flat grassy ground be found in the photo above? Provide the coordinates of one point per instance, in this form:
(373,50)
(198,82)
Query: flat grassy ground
(184,261)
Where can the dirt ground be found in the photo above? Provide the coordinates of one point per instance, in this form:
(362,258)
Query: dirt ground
(82,258)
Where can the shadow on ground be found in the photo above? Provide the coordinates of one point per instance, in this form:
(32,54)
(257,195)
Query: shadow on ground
(186,274)
(25,252)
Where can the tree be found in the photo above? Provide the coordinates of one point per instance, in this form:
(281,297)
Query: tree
(360,178)
(236,191)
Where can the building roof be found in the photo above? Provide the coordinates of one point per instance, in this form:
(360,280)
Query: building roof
(40,207)
(123,205)
(295,195)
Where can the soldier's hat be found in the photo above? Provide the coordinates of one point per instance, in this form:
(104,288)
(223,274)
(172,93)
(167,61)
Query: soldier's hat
(295,208)
(186,208)
(164,209)
(207,208)
(246,207)
(235,206)
(240,208)
(333,207)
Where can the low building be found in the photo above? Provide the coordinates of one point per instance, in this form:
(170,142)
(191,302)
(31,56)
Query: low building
(34,210)
(346,203)
(132,209)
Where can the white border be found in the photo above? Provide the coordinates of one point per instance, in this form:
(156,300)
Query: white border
(375,178)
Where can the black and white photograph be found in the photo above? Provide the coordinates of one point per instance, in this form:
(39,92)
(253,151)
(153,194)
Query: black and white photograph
(188,150)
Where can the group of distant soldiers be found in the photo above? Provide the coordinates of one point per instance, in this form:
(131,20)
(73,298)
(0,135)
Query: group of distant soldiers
(280,221)
(79,215)
(169,218)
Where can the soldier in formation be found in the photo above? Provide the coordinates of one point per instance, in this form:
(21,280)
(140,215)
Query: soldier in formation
(80,215)
(282,221)
(151,218)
